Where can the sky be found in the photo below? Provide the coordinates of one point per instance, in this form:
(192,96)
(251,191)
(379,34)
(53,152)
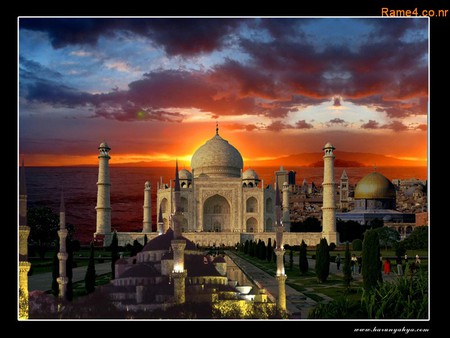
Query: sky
(154,88)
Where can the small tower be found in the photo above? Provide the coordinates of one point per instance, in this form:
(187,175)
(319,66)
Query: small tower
(103,193)
(343,191)
(24,231)
(178,244)
(63,280)
(329,196)
(160,222)
(147,221)
(279,252)
(286,215)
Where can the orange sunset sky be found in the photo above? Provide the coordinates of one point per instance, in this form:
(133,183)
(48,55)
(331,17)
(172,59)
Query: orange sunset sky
(154,88)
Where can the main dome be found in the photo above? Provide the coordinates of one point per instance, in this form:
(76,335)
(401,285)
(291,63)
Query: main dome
(374,186)
(217,158)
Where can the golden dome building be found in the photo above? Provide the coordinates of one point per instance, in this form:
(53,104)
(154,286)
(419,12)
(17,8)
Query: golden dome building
(375,198)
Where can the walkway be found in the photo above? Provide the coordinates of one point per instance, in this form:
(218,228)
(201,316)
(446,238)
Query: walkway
(43,281)
(295,300)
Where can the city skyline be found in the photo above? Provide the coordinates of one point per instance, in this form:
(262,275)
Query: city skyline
(154,88)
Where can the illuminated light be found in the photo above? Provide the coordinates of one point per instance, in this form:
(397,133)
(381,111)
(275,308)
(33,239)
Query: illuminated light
(178,268)
(140,114)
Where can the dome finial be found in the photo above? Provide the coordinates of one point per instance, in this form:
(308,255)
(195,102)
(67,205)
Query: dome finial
(217,127)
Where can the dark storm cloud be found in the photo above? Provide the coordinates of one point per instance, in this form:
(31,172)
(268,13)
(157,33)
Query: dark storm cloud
(182,36)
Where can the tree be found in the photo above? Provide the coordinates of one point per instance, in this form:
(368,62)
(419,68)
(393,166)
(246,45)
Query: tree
(348,230)
(55,274)
(371,264)
(375,224)
(145,239)
(388,236)
(269,250)
(114,247)
(258,249)
(137,247)
(357,245)
(44,225)
(400,249)
(89,279)
(322,261)
(255,249)
(291,259)
(246,247)
(347,267)
(418,239)
(262,253)
(303,259)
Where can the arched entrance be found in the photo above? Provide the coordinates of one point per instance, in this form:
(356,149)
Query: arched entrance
(163,205)
(216,214)
(252,225)
(252,205)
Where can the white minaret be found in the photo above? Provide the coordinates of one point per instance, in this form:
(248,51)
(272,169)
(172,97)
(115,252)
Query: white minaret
(286,216)
(62,254)
(24,232)
(329,196)
(178,244)
(279,252)
(103,191)
(343,191)
(147,222)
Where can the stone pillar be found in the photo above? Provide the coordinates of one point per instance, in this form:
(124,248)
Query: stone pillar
(24,267)
(329,196)
(179,287)
(286,216)
(281,300)
(103,192)
(160,222)
(147,221)
(63,280)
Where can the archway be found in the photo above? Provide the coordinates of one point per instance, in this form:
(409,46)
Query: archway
(252,225)
(252,205)
(216,214)
(184,204)
(269,205)
(269,224)
(163,205)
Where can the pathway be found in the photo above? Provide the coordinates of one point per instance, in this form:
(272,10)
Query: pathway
(295,300)
(43,281)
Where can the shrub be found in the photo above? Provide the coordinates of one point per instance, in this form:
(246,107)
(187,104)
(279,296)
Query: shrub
(303,259)
(322,261)
(347,267)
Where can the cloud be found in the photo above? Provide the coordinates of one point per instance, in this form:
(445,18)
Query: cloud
(277,126)
(182,36)
(370,125)
(394,125)
(337,121)
(302,124)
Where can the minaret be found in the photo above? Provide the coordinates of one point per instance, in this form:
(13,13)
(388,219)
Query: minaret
(160,222)
(178,244)
(147,222)
(62,254)
(24,231)
(343,191)
(329,196)
(286,216)
(279,252)
(103,191)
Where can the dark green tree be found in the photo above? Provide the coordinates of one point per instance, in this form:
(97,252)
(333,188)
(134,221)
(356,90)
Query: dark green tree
(303,259)
(400,249)
(263,251)
(347,269)
(255,249)
(388,236)
(357,245)
(258,249)
(55,274)
(137,247)
(291,259)
(371,264)
(44,226)
(375,224)
(89,279)
(322,261)
(145,239)
(246,247)
(114,247)
(418,239)
(269,250)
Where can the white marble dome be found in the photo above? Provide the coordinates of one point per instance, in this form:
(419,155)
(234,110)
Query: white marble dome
(217,158)
(249,174)
(184,174)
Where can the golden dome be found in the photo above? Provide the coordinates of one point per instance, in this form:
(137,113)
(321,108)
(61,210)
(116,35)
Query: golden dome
(374,186)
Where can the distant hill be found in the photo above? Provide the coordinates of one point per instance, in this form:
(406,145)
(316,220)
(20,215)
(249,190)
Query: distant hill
(343,159)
